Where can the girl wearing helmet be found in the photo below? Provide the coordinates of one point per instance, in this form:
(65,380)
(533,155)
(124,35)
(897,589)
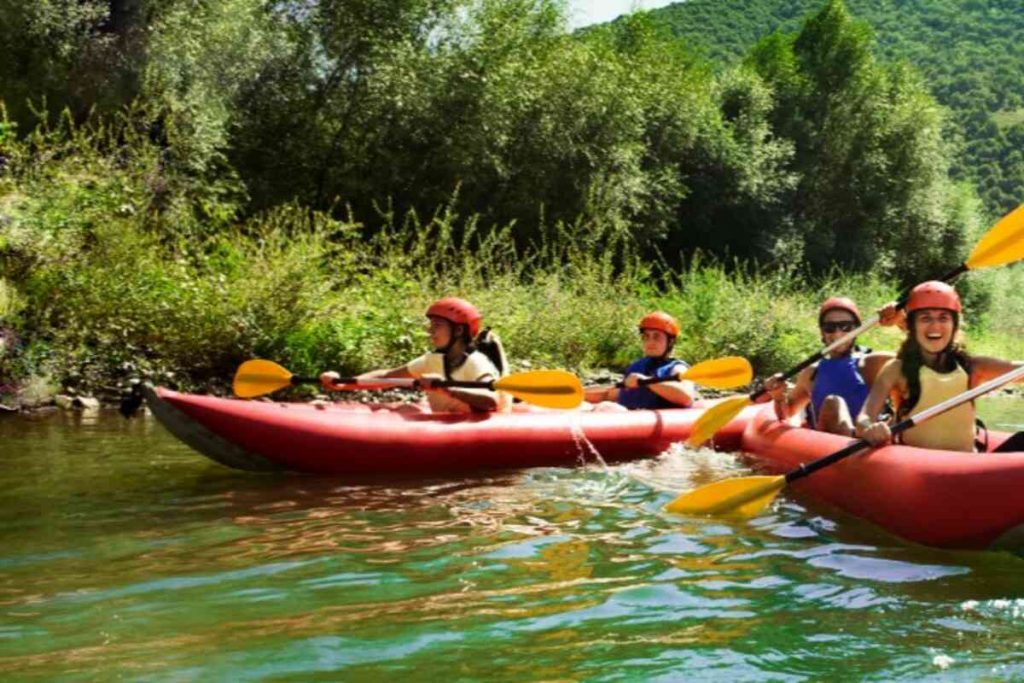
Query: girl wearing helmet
(658,331)
(834,388)
(454,328)
(931,366)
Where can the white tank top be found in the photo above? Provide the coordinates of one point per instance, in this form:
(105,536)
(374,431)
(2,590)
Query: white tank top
(953,430)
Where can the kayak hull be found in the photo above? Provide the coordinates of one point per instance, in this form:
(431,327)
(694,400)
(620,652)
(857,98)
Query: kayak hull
(356,439)
(944,499)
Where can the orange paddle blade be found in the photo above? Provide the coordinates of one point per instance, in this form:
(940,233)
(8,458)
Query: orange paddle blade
(259,377)
(715,418)
(547,388)
(740,497)
(1003,243)
(728,372)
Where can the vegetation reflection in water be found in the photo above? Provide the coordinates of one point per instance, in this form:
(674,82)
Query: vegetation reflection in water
(124,553)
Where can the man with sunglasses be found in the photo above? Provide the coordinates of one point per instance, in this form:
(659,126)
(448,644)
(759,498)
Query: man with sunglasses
(835,388)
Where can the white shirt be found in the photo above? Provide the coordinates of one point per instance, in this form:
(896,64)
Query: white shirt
(476,368)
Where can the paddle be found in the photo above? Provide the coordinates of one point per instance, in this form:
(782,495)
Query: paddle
(727,372)
(745,497)
(1002,244)
(547,388)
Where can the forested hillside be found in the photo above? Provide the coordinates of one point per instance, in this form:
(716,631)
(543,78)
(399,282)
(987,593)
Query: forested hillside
(971,53)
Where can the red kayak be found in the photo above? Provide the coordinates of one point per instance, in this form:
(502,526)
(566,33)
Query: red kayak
(353,438)
(945,499)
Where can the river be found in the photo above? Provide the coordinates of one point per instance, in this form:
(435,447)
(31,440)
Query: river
(126,555)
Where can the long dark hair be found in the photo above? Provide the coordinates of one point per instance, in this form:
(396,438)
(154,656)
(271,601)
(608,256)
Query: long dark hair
(912,359)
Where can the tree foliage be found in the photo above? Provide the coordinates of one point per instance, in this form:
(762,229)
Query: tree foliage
(811,149)
(969,52)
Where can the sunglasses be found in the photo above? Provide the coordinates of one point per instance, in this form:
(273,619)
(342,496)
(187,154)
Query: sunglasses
(842,326)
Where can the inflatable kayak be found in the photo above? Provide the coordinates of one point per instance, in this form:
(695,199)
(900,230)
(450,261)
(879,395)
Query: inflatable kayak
(357,439)
(945,499)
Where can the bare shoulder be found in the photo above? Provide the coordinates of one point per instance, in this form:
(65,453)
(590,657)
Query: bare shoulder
(872,364)
(877,359)
(892,370)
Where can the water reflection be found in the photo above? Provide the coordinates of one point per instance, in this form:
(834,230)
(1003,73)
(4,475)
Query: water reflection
(125,552)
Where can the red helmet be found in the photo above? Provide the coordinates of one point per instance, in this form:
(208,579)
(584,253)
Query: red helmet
(839,303)
(660,321)
(458,311)
(933,294)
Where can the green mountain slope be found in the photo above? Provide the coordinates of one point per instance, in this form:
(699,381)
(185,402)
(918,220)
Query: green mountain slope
(970,51)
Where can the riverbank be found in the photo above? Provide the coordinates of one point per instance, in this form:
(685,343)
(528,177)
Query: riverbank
(108,276)
(133,305)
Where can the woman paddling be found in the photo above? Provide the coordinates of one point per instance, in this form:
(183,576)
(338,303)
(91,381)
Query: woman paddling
(835,388)
(658,331)
(454,329)
(931,366)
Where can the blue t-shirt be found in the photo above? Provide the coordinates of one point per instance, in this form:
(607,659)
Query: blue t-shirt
(643,398)
(841,377)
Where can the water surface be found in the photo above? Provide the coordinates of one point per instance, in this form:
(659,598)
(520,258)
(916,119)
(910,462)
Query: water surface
(123,554)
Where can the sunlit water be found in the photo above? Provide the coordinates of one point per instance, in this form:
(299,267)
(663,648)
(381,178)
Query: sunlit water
(125,555)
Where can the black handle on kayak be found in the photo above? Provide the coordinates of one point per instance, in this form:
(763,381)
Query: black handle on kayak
(414,384)
(858,445)
(648,381)
(461,384)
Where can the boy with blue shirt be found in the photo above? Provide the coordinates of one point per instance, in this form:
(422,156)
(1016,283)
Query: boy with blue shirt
(648,382)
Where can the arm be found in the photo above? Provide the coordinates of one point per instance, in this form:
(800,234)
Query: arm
(680,393)
(599,394)
(872,364)
(868,425)
(481,400)
(984,368)
(392,373)
(328,379)
(788,402)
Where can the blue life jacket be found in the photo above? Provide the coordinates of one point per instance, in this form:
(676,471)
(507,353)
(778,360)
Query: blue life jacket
(643,397)
(839,376)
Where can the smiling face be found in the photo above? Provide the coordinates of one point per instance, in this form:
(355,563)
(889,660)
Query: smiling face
(655,342)
(934,329)
(835,324)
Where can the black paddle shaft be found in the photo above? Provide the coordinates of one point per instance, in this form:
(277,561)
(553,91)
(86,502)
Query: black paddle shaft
(448,383)
(649,381)
(855,447)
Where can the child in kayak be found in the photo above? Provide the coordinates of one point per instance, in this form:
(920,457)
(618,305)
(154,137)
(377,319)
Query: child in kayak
(931,366)
(834,389)
(658,331)
(454,329)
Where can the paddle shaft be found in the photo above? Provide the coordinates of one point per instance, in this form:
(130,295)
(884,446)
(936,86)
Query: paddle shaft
(850,336)
(650,380)
(398,382)
(927,414)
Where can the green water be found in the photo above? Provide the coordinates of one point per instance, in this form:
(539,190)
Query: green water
(123,555)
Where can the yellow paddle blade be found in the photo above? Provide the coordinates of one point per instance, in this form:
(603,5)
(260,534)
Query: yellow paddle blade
(547,388)
(258,377)
(721,373)
(1003,243)
(715,418)
(742,497)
